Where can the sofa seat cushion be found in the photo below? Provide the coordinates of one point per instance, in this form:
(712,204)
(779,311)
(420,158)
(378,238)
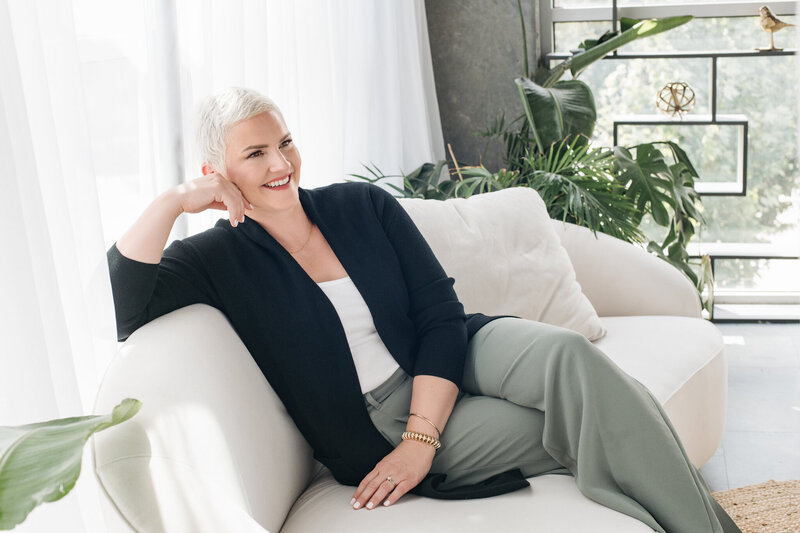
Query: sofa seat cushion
(553,504)
(682,362)
(679,359)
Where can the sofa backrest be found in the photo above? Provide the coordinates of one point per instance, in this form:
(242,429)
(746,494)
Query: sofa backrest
(621,279)
(506,258)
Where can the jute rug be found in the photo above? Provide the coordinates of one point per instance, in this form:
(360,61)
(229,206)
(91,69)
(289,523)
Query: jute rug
(769,507)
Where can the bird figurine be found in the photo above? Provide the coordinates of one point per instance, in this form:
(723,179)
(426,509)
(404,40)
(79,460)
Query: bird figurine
(770,23)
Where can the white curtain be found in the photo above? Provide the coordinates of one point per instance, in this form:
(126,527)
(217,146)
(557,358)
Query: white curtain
(353,78)
(56,317)
(91,129)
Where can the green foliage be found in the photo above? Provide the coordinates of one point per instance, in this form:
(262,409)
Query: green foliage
(41,462)
(608,43)
(425,182)
(761,88)
(625,24)
(578,185)
(554,113)
(605,190)
(667,192)
(663,190)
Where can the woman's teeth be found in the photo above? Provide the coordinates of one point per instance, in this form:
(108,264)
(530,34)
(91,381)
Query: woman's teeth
(274,184)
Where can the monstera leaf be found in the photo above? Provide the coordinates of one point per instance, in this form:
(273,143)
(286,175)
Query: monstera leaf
(41,462)
(647,179)
(565,110)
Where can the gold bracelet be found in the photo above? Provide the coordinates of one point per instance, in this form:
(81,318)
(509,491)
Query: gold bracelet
(438,431)
(421,437)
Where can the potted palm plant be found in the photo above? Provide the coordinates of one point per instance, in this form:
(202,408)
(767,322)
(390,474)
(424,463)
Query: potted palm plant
(548,147)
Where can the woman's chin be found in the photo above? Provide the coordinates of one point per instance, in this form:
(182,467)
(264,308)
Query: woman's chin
(278,198)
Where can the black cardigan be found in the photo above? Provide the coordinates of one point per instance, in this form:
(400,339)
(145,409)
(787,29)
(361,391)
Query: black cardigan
(302,349)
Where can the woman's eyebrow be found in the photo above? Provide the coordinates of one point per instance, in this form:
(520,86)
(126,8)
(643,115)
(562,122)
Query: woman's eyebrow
(255,146)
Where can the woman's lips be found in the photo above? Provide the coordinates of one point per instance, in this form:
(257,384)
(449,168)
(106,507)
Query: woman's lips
(284,183)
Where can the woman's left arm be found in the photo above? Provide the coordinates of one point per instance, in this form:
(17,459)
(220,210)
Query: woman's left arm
(433,398)
(439,363)
(433,305)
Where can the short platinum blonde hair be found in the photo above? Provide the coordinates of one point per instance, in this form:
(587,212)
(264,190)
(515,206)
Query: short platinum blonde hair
(218,113)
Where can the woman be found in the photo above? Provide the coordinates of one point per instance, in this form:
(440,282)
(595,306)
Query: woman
(357,328)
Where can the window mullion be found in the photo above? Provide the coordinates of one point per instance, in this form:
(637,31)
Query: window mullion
(733,9)
(544,25)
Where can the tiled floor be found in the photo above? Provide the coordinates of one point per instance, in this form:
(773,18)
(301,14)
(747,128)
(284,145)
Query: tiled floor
(762,431)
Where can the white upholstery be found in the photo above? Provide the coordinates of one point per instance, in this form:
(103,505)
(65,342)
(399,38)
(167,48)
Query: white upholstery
(213,450)
(553,504)
(681,361)
(501,269)
(211,435)
(623,280)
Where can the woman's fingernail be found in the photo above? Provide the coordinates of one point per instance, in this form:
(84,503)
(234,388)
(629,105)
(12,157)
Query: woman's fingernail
(235,223)
(352,501)
(370,505)
(386,503)
(356,505)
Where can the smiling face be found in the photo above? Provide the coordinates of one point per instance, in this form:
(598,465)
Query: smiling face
(262,160)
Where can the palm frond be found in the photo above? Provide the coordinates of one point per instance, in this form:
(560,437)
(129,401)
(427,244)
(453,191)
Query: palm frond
(577,185)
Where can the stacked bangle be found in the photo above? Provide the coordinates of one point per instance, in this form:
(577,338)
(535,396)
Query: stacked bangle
(421,437)
(438,432)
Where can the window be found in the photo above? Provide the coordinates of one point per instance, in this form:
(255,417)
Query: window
(752,223)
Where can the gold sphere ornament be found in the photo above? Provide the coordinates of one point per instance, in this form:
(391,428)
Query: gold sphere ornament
(675,98)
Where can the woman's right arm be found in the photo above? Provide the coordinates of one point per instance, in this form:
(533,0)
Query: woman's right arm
(145,240)
(148,281)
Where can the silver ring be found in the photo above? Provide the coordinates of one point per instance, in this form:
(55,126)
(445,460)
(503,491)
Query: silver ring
(390,480)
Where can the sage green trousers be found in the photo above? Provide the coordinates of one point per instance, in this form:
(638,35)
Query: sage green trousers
(547,401)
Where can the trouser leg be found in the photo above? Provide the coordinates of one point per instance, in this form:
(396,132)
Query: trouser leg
(599,422)
(484,436)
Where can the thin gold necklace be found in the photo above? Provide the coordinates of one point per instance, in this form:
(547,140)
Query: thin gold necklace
(310,231)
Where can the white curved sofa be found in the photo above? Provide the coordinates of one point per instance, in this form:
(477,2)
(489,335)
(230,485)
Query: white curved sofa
(212,448)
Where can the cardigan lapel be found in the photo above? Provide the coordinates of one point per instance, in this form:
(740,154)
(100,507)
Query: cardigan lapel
(342,372)
(343,240)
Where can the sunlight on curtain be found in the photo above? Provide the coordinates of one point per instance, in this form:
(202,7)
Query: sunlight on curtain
(353,78)
(90,130)
(56,319)
(116,71)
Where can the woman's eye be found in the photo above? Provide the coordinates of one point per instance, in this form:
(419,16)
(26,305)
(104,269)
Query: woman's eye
(254,154)
(287,142)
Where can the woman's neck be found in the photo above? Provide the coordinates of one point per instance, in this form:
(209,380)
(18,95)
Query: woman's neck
(290,227)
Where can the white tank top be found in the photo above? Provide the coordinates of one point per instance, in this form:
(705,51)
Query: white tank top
(374,363)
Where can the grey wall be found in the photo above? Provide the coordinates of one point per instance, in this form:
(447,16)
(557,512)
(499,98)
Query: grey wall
(477,52)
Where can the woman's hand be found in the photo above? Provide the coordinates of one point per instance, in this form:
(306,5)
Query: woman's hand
(145,240)
(407,465)
(213,191)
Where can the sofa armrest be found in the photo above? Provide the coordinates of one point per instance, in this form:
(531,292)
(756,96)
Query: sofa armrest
(621,279)
(212,440)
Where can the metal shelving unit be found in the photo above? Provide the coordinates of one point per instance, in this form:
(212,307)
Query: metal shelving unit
(725,188)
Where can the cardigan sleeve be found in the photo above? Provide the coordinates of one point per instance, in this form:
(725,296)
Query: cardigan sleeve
(144,291)
(434,308)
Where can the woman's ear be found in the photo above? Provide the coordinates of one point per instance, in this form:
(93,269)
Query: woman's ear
(207,169)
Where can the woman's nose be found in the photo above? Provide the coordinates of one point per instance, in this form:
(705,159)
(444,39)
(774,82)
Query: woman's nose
(278,162)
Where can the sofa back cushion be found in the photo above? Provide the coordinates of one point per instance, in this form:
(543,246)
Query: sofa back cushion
(506,258)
